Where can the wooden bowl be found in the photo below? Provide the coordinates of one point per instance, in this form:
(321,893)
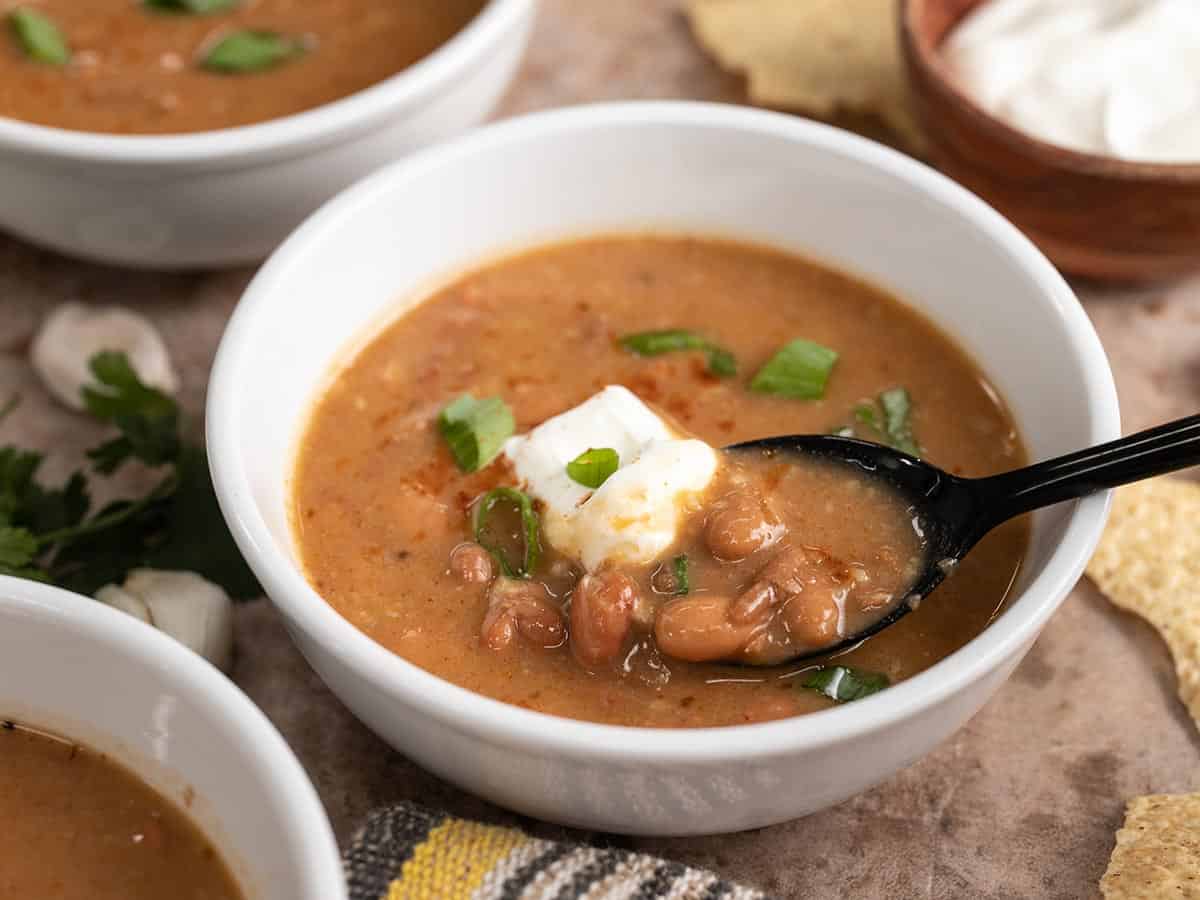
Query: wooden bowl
(1092,215)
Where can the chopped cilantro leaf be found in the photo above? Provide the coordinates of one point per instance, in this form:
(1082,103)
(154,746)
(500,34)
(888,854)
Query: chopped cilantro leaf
(843,683)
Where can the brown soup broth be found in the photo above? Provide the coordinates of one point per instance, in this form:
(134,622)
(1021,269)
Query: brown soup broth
(378,504)
(78,826)
(135,70)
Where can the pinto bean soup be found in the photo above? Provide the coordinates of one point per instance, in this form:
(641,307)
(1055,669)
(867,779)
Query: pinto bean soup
(608,561)
(174,66)
(79,827)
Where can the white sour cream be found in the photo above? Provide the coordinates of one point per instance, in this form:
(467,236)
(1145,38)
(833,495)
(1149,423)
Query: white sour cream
(1112,77)
(634,517)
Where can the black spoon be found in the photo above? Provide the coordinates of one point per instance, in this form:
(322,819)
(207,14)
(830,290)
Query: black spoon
(955,513)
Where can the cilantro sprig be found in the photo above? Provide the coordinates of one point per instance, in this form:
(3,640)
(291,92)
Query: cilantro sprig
(51,533)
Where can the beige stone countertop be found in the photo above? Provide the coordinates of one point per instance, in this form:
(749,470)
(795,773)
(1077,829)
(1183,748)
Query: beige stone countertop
(1022,802)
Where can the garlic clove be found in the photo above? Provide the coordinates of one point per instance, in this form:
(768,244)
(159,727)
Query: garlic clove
(189,608)
(73,333)
(119,598)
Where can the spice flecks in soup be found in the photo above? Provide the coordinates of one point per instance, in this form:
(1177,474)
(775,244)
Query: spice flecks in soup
(757,343)
(79,827)
(138,67)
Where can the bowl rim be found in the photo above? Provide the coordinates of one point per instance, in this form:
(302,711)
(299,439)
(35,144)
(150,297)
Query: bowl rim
(512,726)
(286,134)
(923,54)
(120,634)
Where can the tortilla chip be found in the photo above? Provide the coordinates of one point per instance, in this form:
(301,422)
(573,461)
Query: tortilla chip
(1148,562)
(1158,850)
(819,57)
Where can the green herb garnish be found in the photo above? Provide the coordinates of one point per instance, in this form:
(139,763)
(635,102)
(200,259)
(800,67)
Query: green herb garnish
(799,369)
(897,412)
(252,51)
(593,467)
(528,534)
(843,683)
(192,7)
(39,37)
(721,362)
(47,533)
(888,420)
(147,419)
(682,584)
(476,430)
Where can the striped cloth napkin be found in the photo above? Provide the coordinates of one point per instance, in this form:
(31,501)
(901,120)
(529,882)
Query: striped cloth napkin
(406,852)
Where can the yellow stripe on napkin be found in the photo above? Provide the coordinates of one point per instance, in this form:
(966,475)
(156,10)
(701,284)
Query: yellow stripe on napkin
(454,860)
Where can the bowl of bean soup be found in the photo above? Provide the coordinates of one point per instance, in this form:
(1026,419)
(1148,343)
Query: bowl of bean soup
(493,478)
(130,768)
(196,133)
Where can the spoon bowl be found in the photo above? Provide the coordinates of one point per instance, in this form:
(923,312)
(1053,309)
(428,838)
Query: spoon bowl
(952,514)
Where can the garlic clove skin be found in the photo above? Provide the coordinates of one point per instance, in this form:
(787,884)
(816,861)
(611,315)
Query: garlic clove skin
(189,608)
(73,333)
(119,598)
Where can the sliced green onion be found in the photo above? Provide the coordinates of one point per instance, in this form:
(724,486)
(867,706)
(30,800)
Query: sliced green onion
(476,430)
(867,414)
(655,343)
(888,421)
(593,467)
(39,37)
(721,362)
(252,51)
(682,584)
(530,536)
(843,683)
(192,7)
(897,412)
(800,369)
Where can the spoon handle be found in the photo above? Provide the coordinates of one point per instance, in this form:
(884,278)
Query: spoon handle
(1166,448)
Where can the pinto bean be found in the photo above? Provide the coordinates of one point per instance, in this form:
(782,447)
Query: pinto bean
(645,609)
(816,585)
(803,590)
(741,523)
(521,608)
(698,629)
(814,617)
(602,609)
(755,604)
(472,563)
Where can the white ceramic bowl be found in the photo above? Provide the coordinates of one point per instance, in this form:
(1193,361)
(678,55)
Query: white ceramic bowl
(74,667)
(676,167)
(230,196)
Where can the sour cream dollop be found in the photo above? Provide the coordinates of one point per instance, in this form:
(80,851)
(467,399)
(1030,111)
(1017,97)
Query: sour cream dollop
(633,517)
(1112,77)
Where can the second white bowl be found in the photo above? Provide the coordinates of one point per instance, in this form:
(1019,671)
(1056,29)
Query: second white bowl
(74,667)
(224,197)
